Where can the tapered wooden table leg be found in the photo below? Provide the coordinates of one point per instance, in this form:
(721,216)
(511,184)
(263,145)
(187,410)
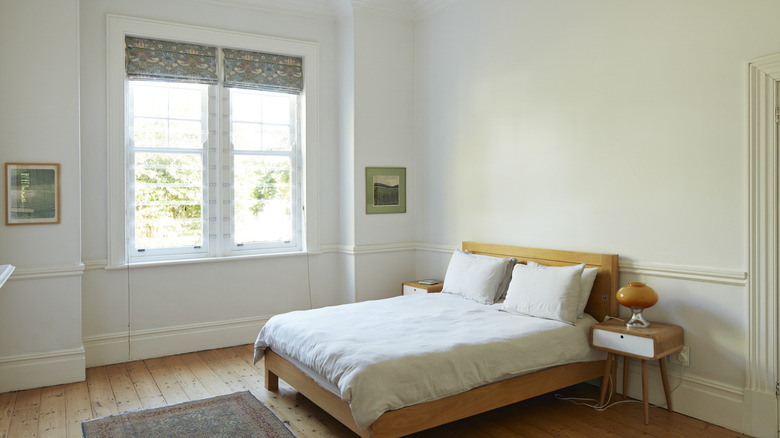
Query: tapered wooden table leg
(665,379)
(644,392)
(626,363)
(605,379)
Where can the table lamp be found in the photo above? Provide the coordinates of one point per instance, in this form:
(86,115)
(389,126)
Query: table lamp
(638,297)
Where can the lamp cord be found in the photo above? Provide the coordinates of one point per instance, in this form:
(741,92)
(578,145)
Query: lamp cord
(594,404)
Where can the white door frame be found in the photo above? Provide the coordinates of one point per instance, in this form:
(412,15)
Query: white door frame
(761,408)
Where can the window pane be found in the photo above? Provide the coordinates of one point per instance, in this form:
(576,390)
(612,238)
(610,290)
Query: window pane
(247,136)
(276,108)
(244,106)
(168,200)
(148,133)
(168,115)
(263,199)
(261,120)
(149,100)
(185,134)
(186,103)
(276,138)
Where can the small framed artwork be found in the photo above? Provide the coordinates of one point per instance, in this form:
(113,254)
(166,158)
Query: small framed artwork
(385,190)
(32,193)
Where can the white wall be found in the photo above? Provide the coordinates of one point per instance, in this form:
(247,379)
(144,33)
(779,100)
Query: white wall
(640,105)
(378,131)
(40,306)
(384,123)
(384,137)
(604,126)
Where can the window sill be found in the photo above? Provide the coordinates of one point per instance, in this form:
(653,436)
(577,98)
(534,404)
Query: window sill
(192,261)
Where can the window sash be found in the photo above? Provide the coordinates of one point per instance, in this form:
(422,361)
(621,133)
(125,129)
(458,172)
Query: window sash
(294,154)
(294,206)
(136,250)
(218,206)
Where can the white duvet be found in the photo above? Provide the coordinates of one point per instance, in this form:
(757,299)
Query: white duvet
(387,354)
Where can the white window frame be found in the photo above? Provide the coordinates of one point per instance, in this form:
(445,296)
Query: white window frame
(295,161)
(208,156)
(120,26)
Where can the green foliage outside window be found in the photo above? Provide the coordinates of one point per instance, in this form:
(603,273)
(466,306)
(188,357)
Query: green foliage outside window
(272,183)
(168,198)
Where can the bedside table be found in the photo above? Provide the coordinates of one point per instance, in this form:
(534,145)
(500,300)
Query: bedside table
(415,287)
(650,343)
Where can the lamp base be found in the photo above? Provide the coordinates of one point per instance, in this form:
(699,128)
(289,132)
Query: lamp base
(637,320)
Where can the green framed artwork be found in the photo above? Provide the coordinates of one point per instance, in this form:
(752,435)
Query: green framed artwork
(385,190)
(32,193)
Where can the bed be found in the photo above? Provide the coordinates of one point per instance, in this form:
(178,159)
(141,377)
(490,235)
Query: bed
(476,396)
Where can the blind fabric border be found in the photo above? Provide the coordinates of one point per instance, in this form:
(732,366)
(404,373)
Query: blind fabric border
(168,60)
(263,71)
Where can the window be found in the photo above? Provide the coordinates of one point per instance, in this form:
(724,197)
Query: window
(168,125)
(264,133)
(212,146)
(185,198)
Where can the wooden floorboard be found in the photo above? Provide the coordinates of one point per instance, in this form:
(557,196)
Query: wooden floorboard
(51,420)
(77,407)
(101,397)
(58,411)
(24,421)
(125,395)
(149,393)
(7,402)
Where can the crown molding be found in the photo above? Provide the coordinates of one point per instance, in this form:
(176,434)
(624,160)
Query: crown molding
(302,8)
(331,9)
(425,8)
(412,10)
(400,9)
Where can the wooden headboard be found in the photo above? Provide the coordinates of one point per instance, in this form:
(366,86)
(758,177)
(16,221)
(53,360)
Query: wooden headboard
(602,300)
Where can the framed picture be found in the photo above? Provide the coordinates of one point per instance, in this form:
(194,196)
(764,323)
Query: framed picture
(32,193)
(385,190)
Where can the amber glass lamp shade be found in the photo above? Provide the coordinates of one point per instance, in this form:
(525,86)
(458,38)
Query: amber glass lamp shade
(637,297)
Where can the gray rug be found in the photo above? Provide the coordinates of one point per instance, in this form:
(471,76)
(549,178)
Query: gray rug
(233,415)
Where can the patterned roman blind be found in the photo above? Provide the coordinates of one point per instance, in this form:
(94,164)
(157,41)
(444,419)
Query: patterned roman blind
(263,71)
(170,61)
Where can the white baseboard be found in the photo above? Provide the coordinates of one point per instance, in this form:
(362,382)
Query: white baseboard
(698,397)
(760,414)
(145,344)
(38,370)
(724,404)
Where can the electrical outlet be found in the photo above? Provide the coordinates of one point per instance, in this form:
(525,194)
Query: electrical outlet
(682,357)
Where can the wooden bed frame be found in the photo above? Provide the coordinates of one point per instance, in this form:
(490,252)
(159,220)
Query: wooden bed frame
(423,416)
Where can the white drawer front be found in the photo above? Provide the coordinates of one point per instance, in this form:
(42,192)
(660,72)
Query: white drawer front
(411,290)
(637,345)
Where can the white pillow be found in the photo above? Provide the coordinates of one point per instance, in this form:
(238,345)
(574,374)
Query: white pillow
(504,285)
(474,277)
(545,292)
(588,278)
